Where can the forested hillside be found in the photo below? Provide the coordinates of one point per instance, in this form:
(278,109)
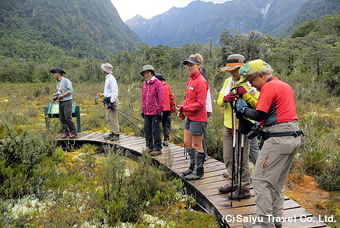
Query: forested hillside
(46,29)
(312,9)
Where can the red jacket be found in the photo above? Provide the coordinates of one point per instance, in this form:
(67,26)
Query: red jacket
(152,97)
(169,102)
(195,99)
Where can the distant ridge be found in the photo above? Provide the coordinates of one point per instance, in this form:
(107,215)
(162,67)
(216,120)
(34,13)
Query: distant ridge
(203,21)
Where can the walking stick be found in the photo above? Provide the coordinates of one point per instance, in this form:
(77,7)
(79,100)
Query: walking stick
(238,155)
(242,147)
(233,118)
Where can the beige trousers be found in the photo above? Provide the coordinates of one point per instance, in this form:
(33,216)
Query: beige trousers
(112,119)
(228,156)
(272,168)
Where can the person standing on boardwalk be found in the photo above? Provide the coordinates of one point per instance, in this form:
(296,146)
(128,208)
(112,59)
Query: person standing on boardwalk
(110,101)
(169,107)
(208,105)
(194,107)
(225,99)
(64,96)
(280,138)
(152,110)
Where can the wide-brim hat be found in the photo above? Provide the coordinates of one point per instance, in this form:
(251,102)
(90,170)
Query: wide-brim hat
(149,68)
(107,67)
(234,61)
(159,76)
(57,70)
(192,60)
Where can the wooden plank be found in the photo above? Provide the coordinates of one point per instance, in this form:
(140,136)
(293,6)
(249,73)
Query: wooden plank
(206,169)
(174,158)
(207,163)
(187,162)
(301,221)
(224,208)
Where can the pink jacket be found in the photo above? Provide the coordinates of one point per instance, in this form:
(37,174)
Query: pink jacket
(152,97)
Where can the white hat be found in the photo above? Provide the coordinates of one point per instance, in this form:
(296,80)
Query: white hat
(107,67)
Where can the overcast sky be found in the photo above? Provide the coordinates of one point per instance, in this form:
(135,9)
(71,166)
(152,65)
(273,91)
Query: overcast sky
(127,9)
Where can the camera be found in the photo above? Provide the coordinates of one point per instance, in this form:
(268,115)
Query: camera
(55,98)
(255,131)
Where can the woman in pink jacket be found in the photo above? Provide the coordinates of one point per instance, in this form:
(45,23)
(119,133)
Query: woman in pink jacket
(194,107)
(152,109)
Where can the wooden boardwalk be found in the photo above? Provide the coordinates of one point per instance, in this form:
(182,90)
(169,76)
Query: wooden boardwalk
(204,190)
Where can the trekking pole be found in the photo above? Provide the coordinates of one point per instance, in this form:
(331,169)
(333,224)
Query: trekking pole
(120,112)
(238,155)
(130,115)
(241,166)
(233,118)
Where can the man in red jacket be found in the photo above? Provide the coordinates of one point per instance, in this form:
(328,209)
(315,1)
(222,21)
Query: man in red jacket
(169,107)
(281,137)
(152,109)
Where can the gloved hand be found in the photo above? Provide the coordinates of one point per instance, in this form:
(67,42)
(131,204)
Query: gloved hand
(230,97)
(240,90)
(142,114)
(111,105)
(241,105)
(181,115)
(160,115)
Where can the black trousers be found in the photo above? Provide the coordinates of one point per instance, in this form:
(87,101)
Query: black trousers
(152,131)
(65,116)
(166,124)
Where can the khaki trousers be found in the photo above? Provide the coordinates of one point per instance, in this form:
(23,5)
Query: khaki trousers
(228,156)
(112,119)
(272,168)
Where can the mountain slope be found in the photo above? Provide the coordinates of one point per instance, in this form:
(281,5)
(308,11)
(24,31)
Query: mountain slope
(203,21)
(312,9)
(79,27)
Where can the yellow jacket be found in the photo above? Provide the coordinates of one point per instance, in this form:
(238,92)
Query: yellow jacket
(251,99)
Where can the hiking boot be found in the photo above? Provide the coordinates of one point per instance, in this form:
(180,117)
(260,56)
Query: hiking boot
(156,152)
(115,137)
(227,188)
(166,143)
(193,176)
(63,136)
(109,136)
(187,172)
(149,150)
(238,195)
(226,175)
(72,136)
(278,225)
(258,225)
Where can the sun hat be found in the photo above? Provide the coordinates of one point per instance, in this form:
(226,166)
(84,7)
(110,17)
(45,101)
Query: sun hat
(149,68)
(234,61)
(253,67)
(57,70)
(107,67)
(192,60)
(159,76)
